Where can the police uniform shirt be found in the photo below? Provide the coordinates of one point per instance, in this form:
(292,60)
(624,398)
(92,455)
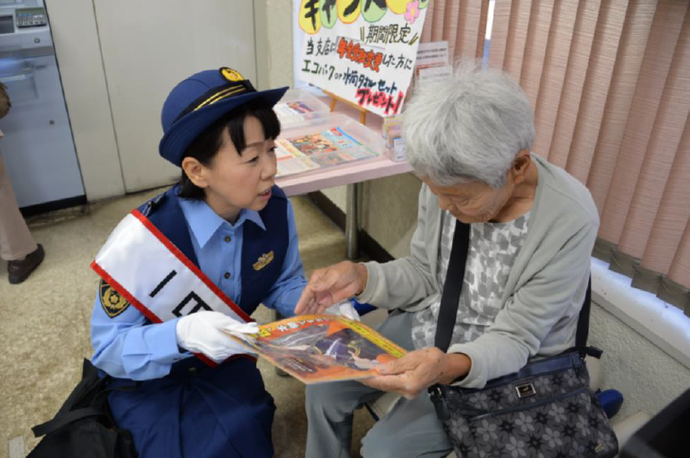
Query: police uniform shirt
(125,348)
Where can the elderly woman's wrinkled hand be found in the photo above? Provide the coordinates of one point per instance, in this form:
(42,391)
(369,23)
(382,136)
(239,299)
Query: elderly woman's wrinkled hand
(418,370)
(331,285)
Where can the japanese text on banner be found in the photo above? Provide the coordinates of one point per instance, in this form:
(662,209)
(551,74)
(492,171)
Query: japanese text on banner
(362,50)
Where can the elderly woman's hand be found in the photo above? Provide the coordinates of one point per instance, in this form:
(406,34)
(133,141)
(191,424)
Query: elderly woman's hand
(418,370)
(331,285)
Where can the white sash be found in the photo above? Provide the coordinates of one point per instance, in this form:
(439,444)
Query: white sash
(155,276)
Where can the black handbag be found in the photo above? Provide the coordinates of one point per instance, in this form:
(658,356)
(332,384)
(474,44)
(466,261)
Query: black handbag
(546,409)
(83,427)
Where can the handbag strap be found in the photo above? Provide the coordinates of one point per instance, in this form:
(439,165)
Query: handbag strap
(452,287)
(583,319)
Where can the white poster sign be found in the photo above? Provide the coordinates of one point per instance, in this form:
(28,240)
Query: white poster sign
(433,54)
(363,51)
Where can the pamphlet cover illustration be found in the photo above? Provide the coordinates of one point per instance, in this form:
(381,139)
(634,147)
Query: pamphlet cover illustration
(313,144)
(322,348)
(299,107)
(318,150)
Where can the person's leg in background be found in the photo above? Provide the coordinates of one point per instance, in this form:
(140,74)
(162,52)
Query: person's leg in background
(16,244)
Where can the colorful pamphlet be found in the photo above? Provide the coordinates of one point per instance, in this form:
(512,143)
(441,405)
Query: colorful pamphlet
(292,112)
(321,348)
(318,150)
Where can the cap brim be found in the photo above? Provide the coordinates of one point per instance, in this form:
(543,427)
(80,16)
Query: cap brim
(185,130)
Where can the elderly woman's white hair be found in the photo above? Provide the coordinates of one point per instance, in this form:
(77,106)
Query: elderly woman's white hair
(468,127)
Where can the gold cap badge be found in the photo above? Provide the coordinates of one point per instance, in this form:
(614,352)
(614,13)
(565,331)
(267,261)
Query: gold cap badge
(263,261)
(231,75)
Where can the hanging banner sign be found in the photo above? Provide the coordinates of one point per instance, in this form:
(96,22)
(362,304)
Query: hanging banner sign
(363,51)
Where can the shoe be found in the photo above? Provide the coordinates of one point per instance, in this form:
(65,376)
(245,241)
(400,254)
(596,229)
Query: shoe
(20,270)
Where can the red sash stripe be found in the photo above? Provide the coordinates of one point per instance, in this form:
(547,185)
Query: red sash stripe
(190,265)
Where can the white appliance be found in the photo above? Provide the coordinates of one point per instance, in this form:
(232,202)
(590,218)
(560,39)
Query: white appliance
(38,148)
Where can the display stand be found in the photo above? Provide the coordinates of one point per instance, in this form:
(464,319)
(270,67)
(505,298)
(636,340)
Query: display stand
(335,99)
(353,191)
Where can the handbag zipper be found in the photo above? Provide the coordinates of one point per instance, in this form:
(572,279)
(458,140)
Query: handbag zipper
(529,406)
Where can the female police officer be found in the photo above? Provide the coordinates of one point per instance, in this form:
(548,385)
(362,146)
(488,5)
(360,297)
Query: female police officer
(192,264)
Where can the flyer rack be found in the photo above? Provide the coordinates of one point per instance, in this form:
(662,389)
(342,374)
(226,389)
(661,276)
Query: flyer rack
(325,142)
(299,107)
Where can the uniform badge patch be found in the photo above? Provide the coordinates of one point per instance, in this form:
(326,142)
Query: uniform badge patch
(263,261)
(113,303)
(231,75)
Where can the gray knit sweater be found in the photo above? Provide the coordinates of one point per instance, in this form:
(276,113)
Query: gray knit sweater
(545,288)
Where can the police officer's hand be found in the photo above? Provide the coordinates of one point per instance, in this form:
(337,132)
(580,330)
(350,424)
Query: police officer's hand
(203,332)
(331,285)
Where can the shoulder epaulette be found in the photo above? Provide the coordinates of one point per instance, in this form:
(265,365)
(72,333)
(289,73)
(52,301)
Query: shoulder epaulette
(151,205)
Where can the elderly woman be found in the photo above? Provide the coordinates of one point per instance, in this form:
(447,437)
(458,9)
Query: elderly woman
(532,229)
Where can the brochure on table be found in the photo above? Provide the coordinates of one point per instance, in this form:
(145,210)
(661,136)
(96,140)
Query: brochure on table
(324,143)
(300,107)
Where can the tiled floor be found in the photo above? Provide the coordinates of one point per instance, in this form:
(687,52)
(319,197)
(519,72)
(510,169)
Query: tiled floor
(44,323)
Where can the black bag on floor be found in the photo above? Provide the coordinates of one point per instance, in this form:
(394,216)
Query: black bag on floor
(546,409)
(83,427)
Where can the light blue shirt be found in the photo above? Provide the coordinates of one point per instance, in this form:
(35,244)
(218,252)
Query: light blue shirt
(125,348)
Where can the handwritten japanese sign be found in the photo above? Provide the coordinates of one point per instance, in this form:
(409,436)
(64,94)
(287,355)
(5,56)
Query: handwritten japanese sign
(362,50)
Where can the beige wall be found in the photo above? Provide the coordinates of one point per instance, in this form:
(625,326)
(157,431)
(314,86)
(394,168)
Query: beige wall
(388,210)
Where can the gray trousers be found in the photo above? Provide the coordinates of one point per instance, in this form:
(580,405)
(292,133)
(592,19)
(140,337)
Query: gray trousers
(410,429)
(15,239)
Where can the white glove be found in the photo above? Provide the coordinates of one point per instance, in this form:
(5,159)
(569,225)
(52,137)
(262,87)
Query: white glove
(202,332)
(344,308)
